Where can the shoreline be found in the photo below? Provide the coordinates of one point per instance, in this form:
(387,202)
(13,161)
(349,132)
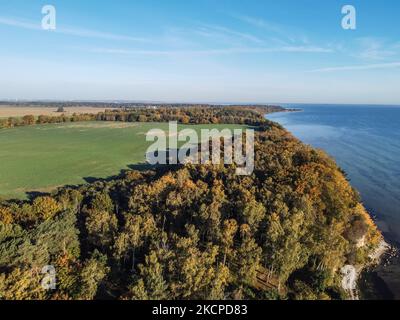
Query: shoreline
(376,258)
(382,273)
(386,273)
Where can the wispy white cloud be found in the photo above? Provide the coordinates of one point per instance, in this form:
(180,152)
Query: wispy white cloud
(224,51)
(78,32)
(391,65)
(101,35)
(372,50)
(218,32)
(260,23)
(235,42)
(305,49)
(19,23)
(375,49)
(201,34)
(274,28)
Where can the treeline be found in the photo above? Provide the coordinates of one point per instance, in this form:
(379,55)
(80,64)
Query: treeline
(250,115)
(29,120)
(193,232)
(128,105)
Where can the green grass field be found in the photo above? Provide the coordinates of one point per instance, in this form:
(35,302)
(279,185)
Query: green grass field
(43,157)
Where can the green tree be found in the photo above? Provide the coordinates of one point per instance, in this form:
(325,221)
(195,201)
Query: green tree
(94,271)
(152,280)
(101,227)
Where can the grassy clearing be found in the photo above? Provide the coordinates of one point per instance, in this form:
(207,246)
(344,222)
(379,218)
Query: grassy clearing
(43,157)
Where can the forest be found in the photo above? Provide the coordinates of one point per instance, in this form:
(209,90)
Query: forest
(190,231)
(185,114)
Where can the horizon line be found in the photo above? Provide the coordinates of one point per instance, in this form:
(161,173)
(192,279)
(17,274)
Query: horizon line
(124,101)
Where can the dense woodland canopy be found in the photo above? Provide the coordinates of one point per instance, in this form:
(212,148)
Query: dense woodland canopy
(193,232)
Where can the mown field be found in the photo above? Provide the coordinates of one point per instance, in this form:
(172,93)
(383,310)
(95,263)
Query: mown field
(41,158)
(12,111)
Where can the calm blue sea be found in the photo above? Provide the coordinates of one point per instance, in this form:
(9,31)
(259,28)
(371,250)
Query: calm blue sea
(365,141)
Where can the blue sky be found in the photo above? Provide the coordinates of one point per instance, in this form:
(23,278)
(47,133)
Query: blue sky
(258,51)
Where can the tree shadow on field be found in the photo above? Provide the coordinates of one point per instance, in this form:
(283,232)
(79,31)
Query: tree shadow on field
(142,167)
(131,167)
(158,169)
(31,195)
(169,158)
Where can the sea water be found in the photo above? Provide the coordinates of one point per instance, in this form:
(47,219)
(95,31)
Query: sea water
(365,141)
